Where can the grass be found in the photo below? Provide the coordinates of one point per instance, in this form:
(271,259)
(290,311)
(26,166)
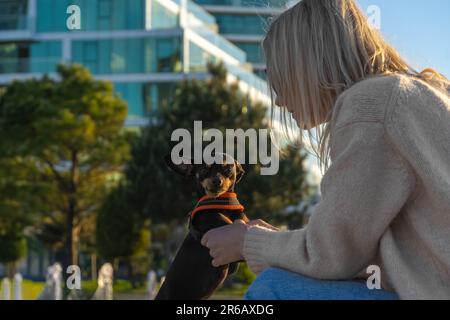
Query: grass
(120,286)
(236,291)
(32,289)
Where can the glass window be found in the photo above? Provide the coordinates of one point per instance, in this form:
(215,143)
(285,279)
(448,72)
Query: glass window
(24,58)
(133,94)
(45,56)
(253,50)
(199,58)
(13,58)
(13,15)
(261,73)
(144,99)
(161,17)
(158,95)
(129,55)
(104,8)
(245,3)
(104,14)
(90,55)
(167,55)
(242,24)
(96,15)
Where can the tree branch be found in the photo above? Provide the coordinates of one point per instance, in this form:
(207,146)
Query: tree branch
(55,172)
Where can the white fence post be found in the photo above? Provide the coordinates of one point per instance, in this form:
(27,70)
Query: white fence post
(18,286)
(105,283)
(52,289)
(151,284)
(6,289)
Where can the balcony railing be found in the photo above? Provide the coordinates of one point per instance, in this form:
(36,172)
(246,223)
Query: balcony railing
(169,17)
(249,77)
(14,22)
(221,43)
(245,3)
(198,12)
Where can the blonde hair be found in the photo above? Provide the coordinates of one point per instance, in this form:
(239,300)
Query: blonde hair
(316,50)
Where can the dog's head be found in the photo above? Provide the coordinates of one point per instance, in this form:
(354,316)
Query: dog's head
(214,179)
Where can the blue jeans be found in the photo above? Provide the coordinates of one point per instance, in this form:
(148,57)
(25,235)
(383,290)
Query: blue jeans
(278,284)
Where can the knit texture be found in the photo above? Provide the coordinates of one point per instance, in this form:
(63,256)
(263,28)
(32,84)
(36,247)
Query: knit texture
(385,197)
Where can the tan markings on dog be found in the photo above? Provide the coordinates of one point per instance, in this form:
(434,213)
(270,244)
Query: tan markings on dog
(226,184)
(211,190)
(226,219)
(207,183)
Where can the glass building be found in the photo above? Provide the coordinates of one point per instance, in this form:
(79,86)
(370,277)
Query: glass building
(145,47)
(244,23)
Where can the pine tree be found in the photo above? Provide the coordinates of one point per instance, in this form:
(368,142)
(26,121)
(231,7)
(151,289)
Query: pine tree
(71,131)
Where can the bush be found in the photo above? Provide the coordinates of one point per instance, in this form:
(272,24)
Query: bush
(12,247)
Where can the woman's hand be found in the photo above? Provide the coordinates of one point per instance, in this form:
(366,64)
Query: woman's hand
(226,243)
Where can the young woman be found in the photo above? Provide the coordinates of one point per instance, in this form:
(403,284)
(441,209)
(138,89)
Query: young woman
(385,196)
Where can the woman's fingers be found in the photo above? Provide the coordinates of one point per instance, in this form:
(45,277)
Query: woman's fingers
(216,263)
(225,243)
(262,223)
(204,240)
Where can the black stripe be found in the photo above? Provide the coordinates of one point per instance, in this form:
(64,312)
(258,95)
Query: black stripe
(232,201)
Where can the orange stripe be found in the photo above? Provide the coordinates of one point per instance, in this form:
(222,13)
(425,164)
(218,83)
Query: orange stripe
(225,195)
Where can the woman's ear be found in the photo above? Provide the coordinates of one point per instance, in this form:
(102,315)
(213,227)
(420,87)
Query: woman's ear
(239,171)
(184,169)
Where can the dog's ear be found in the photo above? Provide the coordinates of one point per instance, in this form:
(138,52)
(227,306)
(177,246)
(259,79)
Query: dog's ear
(239,171)
(184,169)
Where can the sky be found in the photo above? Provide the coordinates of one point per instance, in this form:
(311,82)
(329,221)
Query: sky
(419,30)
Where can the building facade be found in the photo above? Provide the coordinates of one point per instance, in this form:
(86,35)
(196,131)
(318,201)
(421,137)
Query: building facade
(244,23)
(145,47)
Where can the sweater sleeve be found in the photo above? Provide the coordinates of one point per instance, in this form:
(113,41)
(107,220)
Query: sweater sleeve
(362,192)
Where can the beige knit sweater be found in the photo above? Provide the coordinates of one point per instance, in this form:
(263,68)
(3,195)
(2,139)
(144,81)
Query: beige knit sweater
(385,197)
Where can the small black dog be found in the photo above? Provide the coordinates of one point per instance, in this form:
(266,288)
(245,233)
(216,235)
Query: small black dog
(191,275)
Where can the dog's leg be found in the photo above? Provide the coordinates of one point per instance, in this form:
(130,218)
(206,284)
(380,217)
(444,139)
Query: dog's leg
(191,275)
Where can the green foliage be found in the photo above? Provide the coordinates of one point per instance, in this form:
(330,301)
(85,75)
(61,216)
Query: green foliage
(140,261)
(18,179)
(12,247)
(70,132)
(244,274)
(118,231)
(123,236)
